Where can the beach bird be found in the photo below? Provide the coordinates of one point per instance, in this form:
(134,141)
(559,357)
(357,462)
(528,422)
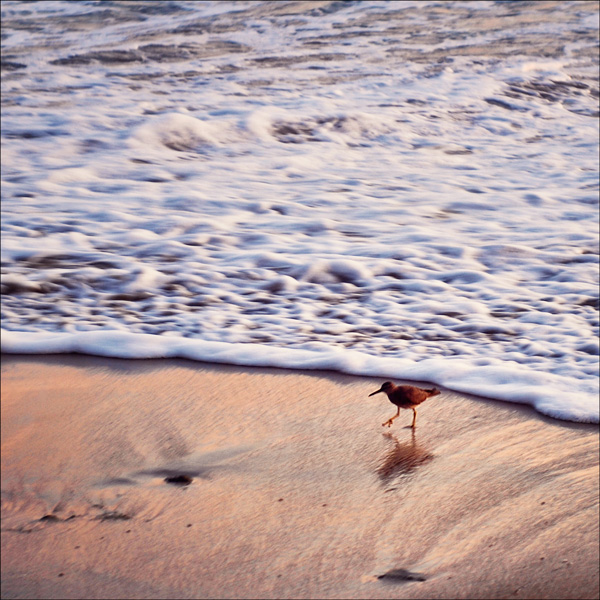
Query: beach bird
(405,396)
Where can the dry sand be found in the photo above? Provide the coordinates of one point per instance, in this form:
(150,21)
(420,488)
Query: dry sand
(297,490)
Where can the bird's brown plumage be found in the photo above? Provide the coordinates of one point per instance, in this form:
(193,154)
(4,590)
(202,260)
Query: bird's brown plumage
(405,396)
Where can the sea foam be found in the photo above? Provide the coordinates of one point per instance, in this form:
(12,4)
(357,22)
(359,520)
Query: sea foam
(390,189)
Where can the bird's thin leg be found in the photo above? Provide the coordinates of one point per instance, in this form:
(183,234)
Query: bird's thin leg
(414,418)
(390,421)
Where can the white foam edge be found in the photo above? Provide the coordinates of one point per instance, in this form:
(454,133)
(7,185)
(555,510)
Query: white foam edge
(552,395)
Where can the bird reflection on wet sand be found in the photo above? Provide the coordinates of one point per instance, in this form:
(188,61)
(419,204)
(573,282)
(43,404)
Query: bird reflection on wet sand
(403,457)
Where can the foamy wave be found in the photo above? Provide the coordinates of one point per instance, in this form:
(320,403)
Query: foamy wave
(182,132)
(295,176)
(551,395)
(350,128)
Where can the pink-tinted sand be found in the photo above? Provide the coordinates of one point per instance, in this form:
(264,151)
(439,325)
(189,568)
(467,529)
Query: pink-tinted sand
(296,491)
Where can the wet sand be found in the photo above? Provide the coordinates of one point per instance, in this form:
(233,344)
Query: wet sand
(294,489)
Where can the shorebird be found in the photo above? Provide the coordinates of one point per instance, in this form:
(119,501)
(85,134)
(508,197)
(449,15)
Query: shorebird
(405,396)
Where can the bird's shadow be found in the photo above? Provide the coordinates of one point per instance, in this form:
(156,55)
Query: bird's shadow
(402,458)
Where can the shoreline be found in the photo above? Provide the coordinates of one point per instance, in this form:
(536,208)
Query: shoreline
(82,360)
(296,490)
(550,394)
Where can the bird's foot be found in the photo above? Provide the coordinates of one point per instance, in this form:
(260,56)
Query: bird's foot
(388,423)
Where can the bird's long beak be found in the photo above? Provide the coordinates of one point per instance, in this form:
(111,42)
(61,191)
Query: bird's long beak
(377,392)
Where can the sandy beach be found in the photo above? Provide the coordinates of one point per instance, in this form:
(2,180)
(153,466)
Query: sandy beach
(296,491)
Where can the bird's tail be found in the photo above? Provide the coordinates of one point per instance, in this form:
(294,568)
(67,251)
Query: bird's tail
(433,391)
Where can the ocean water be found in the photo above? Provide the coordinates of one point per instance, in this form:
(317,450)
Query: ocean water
(398,189)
